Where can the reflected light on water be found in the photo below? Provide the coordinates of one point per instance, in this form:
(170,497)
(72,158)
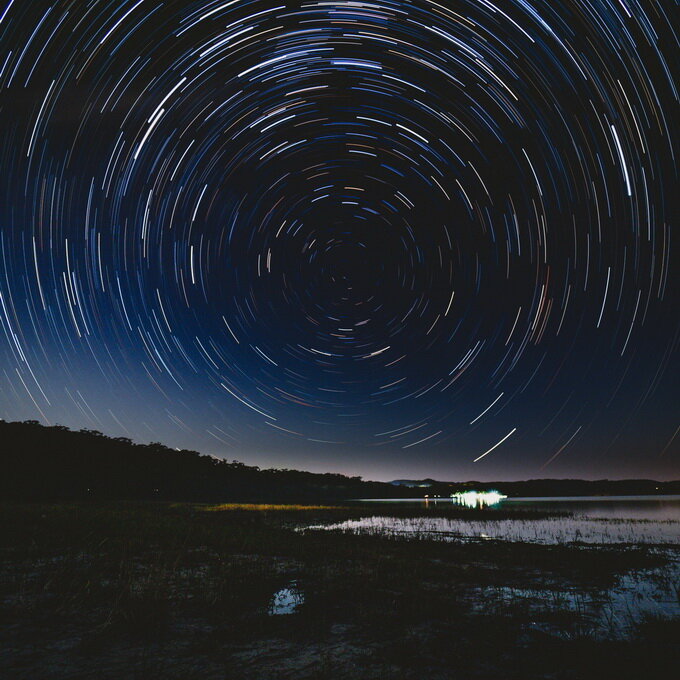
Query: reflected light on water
(286,600)
(477,499)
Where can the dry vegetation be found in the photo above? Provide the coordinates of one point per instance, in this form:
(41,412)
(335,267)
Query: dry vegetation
(184,591)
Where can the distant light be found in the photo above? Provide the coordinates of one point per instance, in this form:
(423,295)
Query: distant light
(477,499)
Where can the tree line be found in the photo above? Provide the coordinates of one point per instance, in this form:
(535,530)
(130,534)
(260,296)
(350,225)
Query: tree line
(54,463)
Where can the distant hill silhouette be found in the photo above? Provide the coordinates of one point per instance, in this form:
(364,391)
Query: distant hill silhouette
(55,463)
(542,487)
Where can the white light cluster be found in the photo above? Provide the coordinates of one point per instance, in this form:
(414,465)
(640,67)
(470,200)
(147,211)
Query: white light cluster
(477,499)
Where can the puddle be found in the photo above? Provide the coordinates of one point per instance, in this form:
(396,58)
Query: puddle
(286,600)
(610,613)
(613,612)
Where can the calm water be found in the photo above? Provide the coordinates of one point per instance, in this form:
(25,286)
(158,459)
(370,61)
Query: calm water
(624,520)
(542,530)
(590,519)
(601,507)
(612,507)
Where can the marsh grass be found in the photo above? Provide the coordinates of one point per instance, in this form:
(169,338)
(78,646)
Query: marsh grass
(193,583)
(557,530)
(262,507)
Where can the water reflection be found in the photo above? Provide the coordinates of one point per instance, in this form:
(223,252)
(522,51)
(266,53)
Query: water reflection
(286,600)
(546,531)
(477,499)
(611,612)
(602,507)
(599,507)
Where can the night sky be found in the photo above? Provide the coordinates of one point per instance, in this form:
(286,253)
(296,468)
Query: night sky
(390,238)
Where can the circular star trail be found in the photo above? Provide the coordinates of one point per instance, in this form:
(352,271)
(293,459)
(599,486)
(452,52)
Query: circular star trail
(374,232)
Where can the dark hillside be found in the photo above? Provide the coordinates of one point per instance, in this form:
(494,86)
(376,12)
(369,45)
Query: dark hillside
(55,463)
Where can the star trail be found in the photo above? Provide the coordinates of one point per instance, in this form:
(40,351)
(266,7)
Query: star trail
(385,238)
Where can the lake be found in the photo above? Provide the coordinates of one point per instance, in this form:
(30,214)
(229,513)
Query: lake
(581,519)
(605,507)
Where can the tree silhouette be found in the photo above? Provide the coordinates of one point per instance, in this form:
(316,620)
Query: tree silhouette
(55,463)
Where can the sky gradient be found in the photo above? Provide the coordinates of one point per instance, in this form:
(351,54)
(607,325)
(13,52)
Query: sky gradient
(394,239)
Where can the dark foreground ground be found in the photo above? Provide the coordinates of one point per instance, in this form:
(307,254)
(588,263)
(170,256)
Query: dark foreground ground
(125,591)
